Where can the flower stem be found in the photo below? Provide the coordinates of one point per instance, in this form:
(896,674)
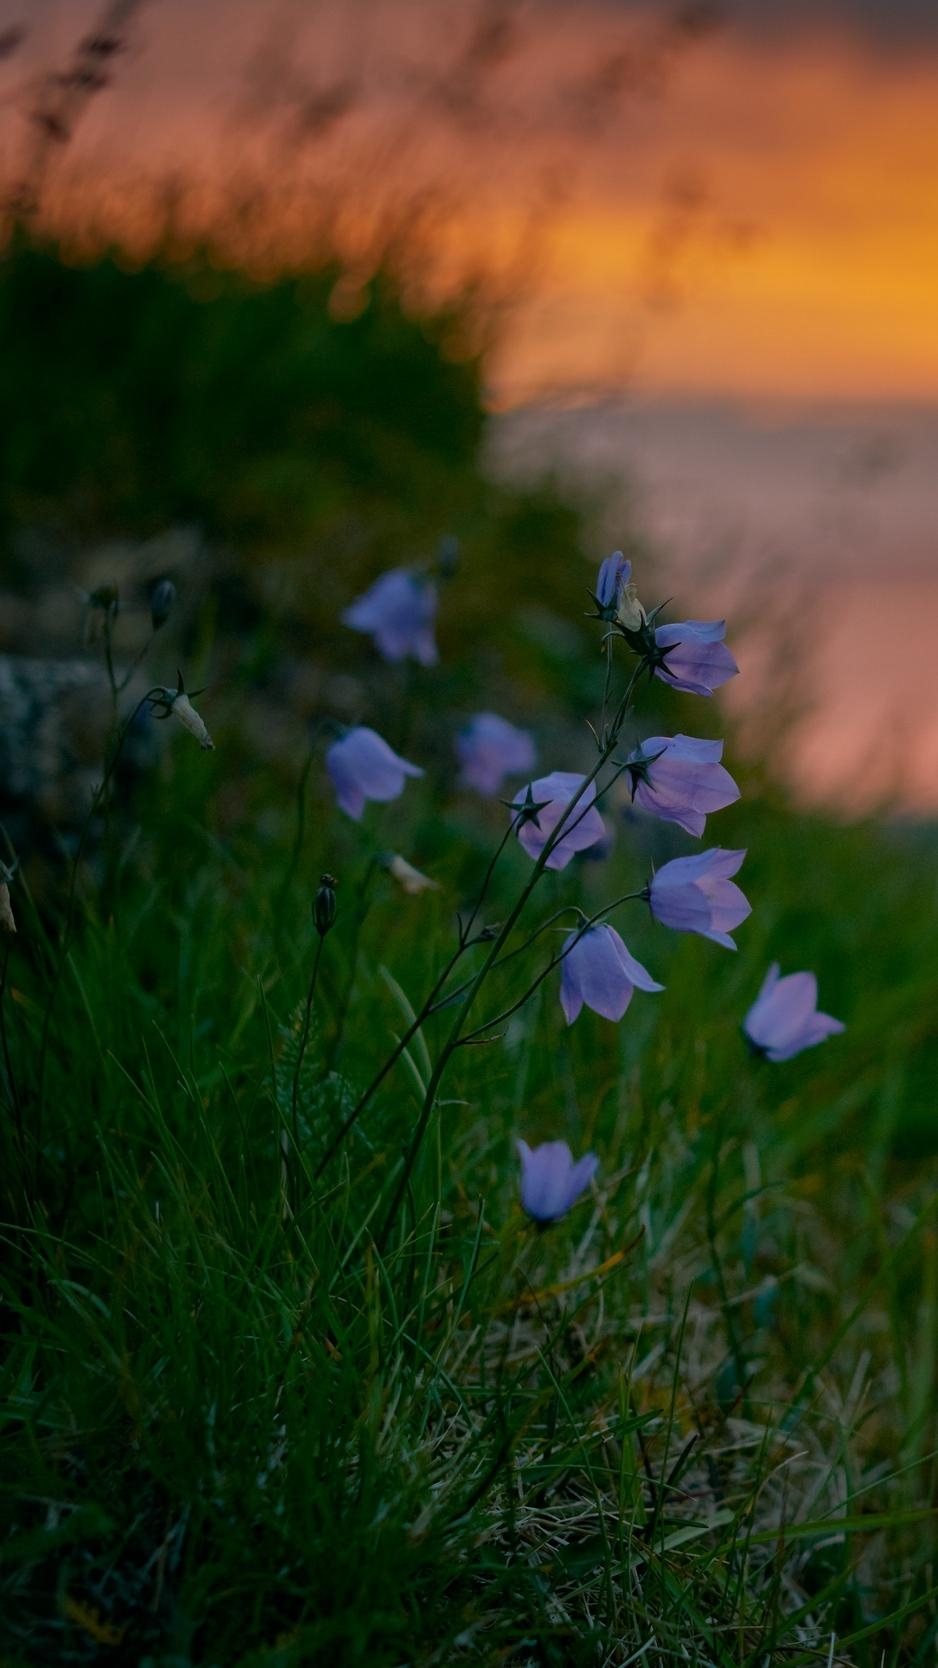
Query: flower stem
(301,1051)
(452,1041)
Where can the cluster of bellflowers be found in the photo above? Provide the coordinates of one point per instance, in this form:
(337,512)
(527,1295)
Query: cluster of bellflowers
(556,817)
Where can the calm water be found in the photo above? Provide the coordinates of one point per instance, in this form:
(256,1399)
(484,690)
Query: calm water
(818,524)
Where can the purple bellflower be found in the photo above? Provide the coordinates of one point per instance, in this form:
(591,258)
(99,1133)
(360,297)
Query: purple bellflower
(398,611)
(362,766)
(597,969)
(692,656)
(681,780)
(784,1019)
(550,1181)
(548,799)
(489,748)
(695,894)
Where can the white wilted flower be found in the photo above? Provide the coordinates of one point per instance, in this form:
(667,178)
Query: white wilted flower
(177,702)
(191,720)
(411,879)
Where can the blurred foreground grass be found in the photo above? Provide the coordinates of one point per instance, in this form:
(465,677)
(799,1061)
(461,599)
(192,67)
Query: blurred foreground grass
(693,1423)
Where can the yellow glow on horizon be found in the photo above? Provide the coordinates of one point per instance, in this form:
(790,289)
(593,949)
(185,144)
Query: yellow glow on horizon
(809,266)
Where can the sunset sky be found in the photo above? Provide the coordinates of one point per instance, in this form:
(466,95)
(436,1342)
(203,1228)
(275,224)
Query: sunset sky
(755,212)
(721,244)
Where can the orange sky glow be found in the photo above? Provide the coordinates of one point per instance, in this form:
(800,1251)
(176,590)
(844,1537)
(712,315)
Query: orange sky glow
(803,263)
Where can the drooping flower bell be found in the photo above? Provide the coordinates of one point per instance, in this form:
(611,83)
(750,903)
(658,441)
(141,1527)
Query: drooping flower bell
(681,779)
(784,1018)
(544,802)
(550,1180)
(599,971)
(177,702)
(489,748)
(398,611)
(692,656)
(362,766)
(695,894)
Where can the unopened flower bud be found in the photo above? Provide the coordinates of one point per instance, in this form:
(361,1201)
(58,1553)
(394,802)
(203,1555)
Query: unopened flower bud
(407,876)
(162,601)
(324,904)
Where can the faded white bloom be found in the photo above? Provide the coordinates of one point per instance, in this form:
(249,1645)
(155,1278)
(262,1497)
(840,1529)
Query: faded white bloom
(165,701)
(411,879)
(190,720)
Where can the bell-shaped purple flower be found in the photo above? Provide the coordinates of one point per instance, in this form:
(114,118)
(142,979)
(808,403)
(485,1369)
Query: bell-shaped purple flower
(693,657)
(550,1181)
(548,798)
(680,779)
(362,766)
(784,1019)
(695,894)
(489,748)
(398,611)
(597,969)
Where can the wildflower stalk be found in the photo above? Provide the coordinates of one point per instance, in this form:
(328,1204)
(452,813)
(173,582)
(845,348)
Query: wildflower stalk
(433,1003)
(324,914)
(465,929)
(350,1120)
(298,838)
(304,1041)
(498,944)
(363,906)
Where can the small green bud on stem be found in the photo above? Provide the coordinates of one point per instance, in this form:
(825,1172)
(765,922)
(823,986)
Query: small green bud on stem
(324,904)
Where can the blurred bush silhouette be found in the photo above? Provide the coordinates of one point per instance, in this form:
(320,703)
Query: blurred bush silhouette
(182,391)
